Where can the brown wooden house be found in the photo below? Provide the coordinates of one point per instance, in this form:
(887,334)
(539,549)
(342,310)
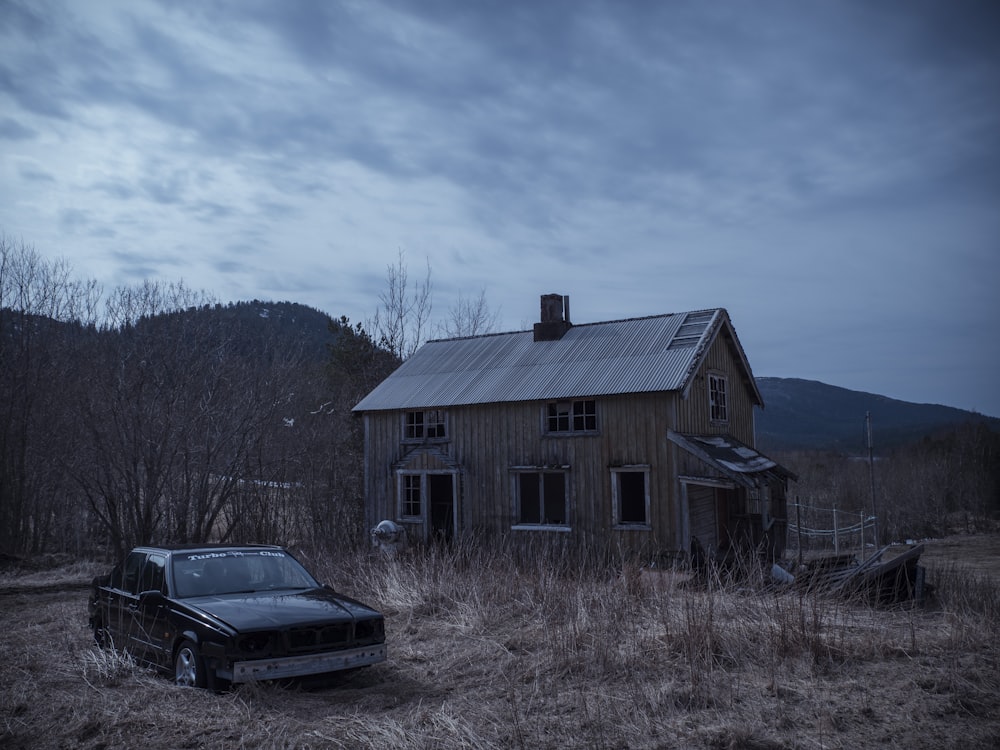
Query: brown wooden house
(634,435)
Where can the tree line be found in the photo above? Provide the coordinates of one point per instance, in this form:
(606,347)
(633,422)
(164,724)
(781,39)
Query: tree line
(136,417)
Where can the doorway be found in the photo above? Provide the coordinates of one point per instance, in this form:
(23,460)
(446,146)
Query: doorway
(441,491)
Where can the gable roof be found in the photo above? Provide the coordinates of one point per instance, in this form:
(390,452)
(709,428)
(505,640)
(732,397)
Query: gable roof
(636,355)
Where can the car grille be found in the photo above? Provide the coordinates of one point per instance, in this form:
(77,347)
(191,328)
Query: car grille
(306,639)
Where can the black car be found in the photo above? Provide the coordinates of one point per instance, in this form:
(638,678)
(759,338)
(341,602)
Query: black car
(218,615)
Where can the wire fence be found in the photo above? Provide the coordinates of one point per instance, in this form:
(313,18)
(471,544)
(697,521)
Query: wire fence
(811,528)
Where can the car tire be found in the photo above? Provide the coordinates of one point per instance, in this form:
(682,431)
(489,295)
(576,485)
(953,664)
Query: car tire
(189,667)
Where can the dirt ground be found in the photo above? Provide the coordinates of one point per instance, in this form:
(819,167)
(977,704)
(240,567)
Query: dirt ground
(534,662)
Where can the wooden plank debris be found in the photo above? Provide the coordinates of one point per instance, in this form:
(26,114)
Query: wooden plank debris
(878,580)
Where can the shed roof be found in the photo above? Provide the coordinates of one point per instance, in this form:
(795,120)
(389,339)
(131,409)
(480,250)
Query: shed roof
(731,457)
(636,355)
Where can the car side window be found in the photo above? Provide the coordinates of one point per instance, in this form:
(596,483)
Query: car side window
(133,564)
(153,578)
(116,576)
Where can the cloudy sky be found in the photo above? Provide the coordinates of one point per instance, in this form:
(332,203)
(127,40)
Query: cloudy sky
(828,171)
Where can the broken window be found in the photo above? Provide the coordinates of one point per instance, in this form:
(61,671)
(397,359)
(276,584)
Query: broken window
(541,498)
(630,494)
(572,416)
(718,403)
(426,424)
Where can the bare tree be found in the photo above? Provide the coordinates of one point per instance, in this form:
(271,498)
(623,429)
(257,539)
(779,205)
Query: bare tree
(470,317)
(175,413)
(404,310)
(44,316)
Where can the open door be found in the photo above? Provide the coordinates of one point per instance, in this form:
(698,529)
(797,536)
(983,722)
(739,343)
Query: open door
(442,501)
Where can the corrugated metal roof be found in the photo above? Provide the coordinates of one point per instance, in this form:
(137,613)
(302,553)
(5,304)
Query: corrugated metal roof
(638,355)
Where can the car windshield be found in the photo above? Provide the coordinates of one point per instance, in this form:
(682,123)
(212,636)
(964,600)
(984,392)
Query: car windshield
(237,571)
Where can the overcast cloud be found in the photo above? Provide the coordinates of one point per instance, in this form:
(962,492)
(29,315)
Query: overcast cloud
(829,172)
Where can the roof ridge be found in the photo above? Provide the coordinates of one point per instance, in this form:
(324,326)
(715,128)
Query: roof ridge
(579,325)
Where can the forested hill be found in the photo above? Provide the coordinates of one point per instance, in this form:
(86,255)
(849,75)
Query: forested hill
(807,414)
(258,324)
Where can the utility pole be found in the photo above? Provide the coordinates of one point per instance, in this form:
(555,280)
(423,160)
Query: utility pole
(871,474)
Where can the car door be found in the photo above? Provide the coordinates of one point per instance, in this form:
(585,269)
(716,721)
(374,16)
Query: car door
(122,599)
(151,628)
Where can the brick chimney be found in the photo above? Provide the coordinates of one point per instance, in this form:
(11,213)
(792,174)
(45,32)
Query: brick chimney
(555,318)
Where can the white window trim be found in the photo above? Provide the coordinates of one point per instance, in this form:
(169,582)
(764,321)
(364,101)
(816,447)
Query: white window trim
(616,499)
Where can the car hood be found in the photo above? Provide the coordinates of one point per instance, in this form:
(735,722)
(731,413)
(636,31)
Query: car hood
(281,609)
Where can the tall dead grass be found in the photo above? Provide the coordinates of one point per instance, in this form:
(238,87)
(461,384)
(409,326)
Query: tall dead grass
(492,647)
(629,650)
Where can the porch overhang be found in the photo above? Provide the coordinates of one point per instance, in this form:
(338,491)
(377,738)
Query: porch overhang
(732,458)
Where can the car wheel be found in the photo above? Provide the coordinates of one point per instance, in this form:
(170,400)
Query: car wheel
(189,667)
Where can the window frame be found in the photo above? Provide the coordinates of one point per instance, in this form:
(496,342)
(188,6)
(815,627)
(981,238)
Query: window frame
(152,562)
(425,425)
(718,408)
(407,479)
(617,499)
(132,572)
(516,474)
(576,417)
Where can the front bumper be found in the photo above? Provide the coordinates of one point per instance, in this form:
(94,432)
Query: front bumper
(299,666)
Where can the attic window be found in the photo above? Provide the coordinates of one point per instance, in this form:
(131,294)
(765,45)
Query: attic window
(425,425)
(692,329)
(571,416)
(717,397)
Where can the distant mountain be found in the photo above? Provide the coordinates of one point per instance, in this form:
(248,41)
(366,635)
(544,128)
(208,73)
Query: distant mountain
(809,415)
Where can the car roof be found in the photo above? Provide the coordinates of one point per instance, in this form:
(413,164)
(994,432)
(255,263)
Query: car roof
(167,548)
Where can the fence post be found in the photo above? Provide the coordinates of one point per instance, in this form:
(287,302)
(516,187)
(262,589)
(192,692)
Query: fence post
(798,526)
(836,533)
(864,549)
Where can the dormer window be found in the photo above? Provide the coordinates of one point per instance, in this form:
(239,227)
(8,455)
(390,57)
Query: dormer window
(571,416)
(427,424)
(718,401)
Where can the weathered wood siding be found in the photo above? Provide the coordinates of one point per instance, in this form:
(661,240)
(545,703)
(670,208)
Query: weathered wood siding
(694,415)
(488,441)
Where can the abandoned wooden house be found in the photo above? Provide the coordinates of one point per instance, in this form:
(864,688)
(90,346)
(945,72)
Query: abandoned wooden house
(631,435)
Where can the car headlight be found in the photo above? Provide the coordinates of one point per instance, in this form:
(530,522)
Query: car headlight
(254,643)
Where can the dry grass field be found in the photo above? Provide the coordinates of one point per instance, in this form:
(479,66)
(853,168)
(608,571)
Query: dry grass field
(488,653)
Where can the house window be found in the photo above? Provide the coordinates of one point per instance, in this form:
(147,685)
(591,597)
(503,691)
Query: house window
(630,496)
(425,425)
(541,498)
(572,416)
(412,505)
(717,399)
